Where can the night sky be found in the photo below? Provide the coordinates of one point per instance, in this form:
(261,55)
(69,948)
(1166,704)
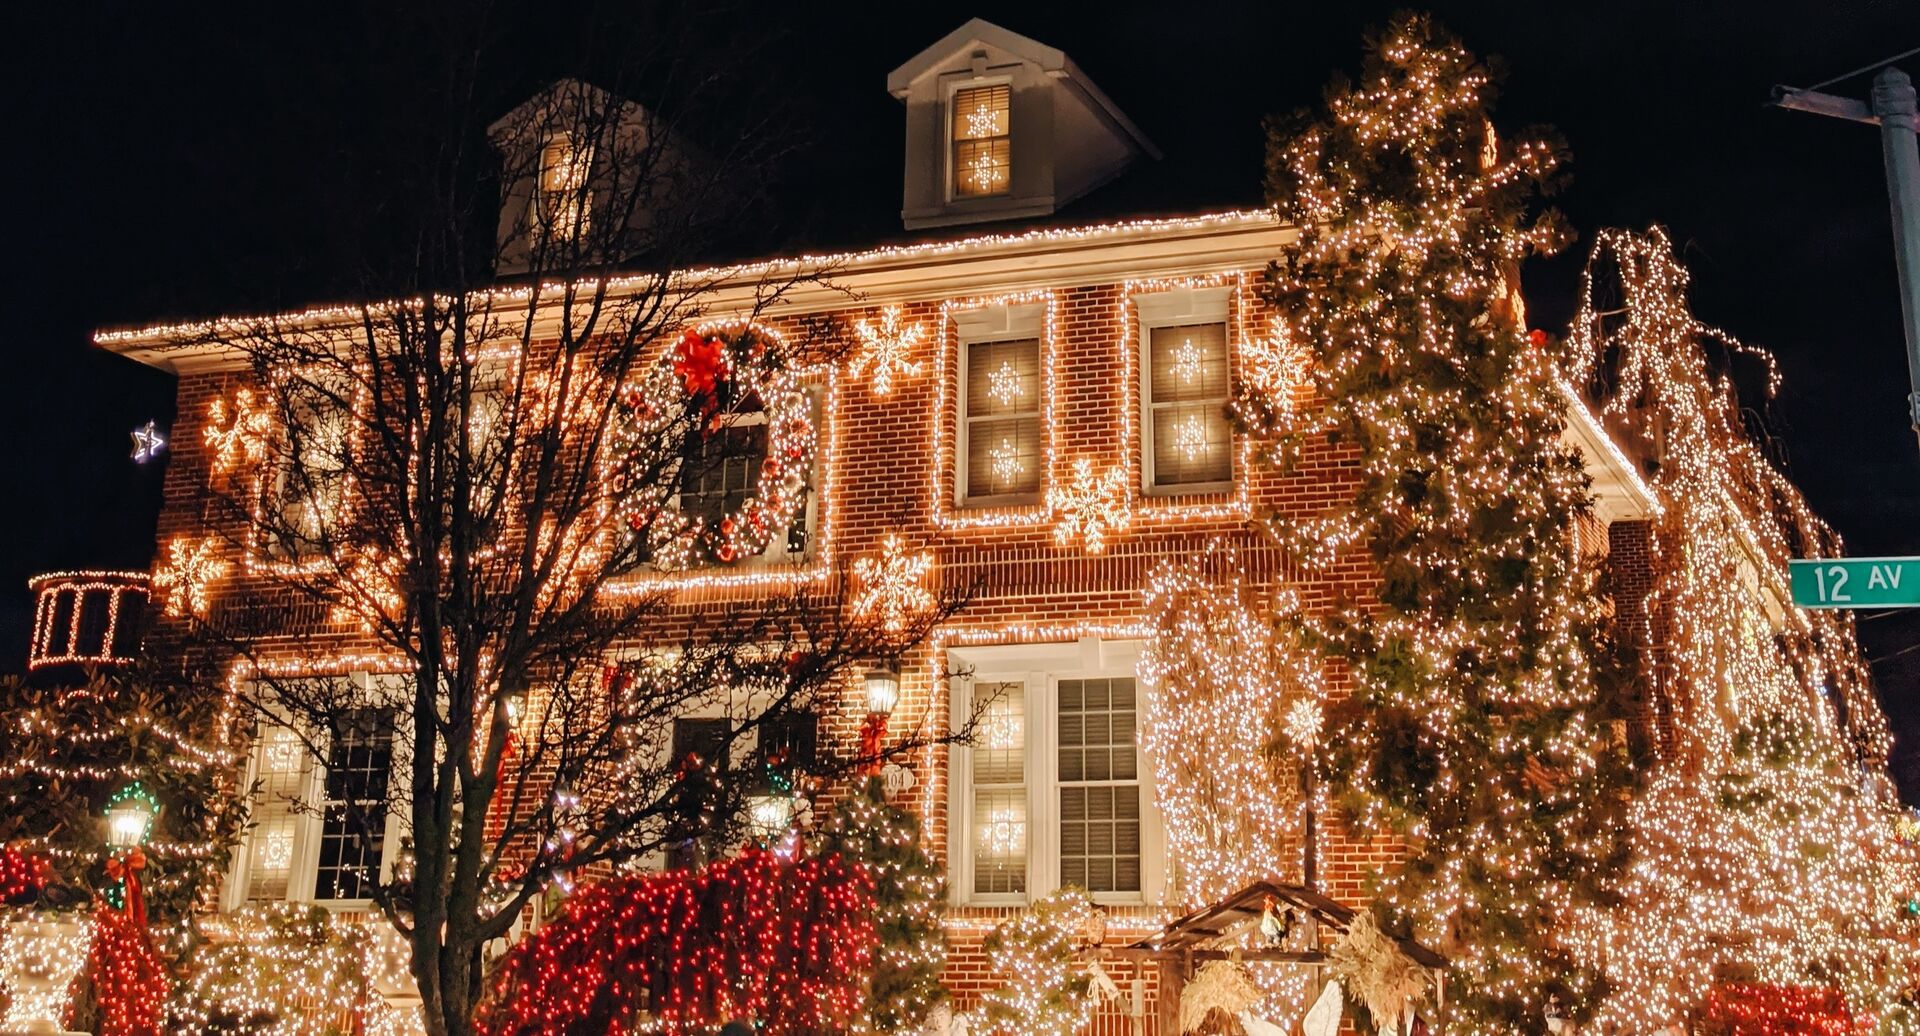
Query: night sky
(181,160)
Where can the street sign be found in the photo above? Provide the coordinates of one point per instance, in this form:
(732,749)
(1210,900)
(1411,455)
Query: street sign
(1856,582)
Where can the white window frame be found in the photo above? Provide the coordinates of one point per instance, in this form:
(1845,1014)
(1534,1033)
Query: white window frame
(1171,309)
(985,326)
(1041,667)
(950,89)
(304,868)
(583,193)
(776,551)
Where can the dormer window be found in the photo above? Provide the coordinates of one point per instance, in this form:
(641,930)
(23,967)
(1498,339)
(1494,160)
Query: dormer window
(564,195)
(982,141)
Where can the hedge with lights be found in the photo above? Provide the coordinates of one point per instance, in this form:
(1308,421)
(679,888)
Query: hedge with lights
(1478,724)
(788,943)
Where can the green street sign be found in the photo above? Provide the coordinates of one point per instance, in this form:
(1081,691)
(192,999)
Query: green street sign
(1856,582)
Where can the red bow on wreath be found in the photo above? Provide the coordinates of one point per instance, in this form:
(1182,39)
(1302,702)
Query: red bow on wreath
(127,869)
(701,364)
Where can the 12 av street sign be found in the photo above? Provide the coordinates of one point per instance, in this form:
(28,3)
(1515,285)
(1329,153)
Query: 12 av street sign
(1856,582)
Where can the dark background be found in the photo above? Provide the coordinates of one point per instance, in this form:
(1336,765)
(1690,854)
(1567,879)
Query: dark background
(193,159)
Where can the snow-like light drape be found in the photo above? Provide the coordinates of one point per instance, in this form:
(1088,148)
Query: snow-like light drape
(1765,841)
(1220,683)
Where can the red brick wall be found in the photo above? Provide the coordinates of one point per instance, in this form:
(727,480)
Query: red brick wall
(882,482)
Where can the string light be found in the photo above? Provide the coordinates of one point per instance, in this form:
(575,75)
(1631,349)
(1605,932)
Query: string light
(39,959)
(238,433)
(60,647)
(286,969)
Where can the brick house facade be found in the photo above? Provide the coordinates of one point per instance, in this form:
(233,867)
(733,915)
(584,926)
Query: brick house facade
(1075,312)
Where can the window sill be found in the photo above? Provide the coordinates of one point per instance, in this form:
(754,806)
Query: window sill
(987,503)
(1182,490)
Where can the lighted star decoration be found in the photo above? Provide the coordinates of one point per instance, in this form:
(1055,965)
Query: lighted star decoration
(237,434)
(1004,384)
(1005,461)
(893,585)
(1091,506)
(186,578)
(884,348)
(148,441)
(1277,366)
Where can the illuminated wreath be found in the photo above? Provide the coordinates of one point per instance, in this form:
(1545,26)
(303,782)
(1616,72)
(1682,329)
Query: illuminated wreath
(714,375)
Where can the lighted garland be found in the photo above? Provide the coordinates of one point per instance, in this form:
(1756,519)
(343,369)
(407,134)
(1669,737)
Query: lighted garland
(785,942)
(713,376)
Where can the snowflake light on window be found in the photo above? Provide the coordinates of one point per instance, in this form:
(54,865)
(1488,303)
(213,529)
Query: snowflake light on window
(999,727)
(893,585)
(1004,384)
(980,122)
(1004,832)
(1006,463)
(186,578)
(987,173)
(282,754)
(1186,361)
(884,348)
(1092,507)
(1190,438)
(276,850)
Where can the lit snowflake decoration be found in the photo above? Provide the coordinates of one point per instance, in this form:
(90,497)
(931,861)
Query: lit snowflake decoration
(1091,506)
(186,579)
(276,851)
(371,592)
(1006,464)
(1000,726)
(893,585)
(884,348)
(282,753)
(1191,437)
(1004,384)
(987,172)
(1004,832)
(1303,722)
(1186,361)
(237,434)
(1277,367)
(980,122)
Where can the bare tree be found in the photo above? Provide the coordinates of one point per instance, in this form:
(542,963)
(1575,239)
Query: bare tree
(484,477)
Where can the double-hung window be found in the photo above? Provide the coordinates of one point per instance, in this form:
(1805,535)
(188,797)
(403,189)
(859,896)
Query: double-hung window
(1051,790)
(1185,387)
(1002,456)
(982,159)
(323,829)
(310,481)
(564,197)
(717,767)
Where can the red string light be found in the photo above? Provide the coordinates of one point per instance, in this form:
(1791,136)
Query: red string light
(22,877)
(786,942)
(1765,1009)
(130,982)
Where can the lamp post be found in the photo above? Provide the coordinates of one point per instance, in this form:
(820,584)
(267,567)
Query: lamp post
(883,690)
(130,814)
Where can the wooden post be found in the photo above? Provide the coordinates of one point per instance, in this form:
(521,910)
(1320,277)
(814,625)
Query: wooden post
(1173,978)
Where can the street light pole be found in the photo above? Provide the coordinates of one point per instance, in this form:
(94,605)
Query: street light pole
(1892,108)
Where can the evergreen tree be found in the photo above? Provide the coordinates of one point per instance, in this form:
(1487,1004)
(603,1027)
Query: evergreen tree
(1476,727)
(907,894)
(65,750)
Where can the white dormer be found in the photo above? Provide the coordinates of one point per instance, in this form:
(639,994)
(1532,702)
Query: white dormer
(1000,126)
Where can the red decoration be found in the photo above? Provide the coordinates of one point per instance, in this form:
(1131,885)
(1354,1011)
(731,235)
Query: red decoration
(788,943)
(130,981)
(22,877)
(127,869)
(1537,338)
(1763,1009)
(701,364)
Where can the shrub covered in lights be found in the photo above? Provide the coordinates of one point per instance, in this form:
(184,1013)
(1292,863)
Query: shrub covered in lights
(66,751)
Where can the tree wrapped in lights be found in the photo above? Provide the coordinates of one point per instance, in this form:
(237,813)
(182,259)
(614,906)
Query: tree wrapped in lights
(1475,728)
(1042,991)
(786,942)
(1767,841)
(65,751)
(1221,680)
(908,890)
